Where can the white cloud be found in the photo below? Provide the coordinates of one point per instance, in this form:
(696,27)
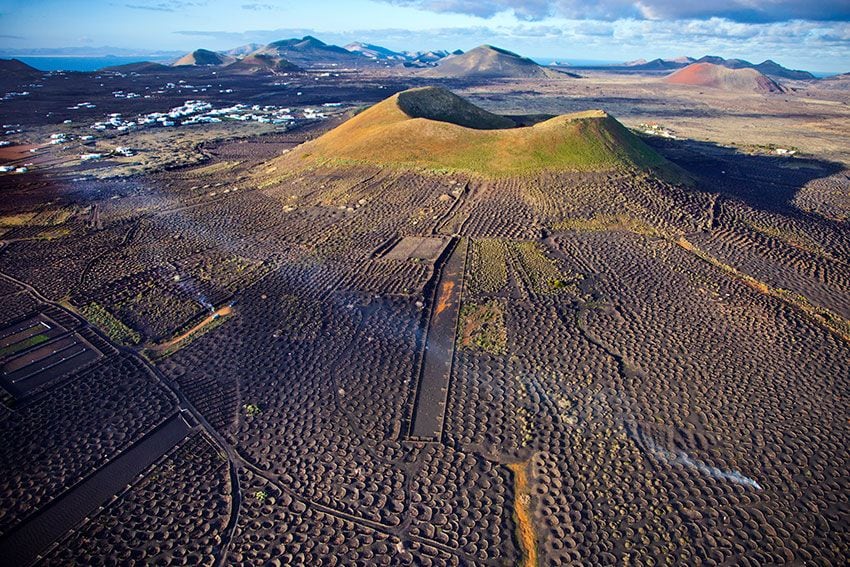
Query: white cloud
(736,10)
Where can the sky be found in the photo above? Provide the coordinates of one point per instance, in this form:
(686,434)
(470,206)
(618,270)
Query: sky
(807,34)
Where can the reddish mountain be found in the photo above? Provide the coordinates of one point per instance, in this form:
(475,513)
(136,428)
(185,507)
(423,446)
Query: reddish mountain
(720,77)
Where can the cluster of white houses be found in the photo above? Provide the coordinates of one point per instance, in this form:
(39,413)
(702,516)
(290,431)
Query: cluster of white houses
(80,105)
(122,151)
(201,112)
(12,95)
(657,130)
(190,112)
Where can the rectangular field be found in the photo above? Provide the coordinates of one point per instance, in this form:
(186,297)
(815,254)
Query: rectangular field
(46,363)
(433,389)
(26,334)
(426,248)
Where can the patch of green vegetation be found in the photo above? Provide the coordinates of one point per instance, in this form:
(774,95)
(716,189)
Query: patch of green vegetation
(605,222)
(482,327)
(48,220)
(19,219)
(489,270)
(53,217)
(542,272)
(46,217)
(252,409)
(789,237)
(112,326)
(53,234)
(260,495)
(23,345)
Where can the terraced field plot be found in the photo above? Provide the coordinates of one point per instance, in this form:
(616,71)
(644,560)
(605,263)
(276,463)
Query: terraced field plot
(26,334)
(42,355)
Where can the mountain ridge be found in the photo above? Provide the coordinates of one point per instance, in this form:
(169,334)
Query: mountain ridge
(309,52)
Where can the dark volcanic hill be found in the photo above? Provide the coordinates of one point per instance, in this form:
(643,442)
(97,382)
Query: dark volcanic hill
(659,64)
(142,68)
(261,64)
(767,67)
(774,69)
(488,62)
(15,68)
(203,57)
(720,77)
(309,52)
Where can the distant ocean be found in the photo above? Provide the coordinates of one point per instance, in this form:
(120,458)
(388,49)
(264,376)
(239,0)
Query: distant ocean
(78,63)
(824,74)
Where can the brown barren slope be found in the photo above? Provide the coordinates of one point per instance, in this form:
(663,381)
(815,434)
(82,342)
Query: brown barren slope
(203,57)
(433,129)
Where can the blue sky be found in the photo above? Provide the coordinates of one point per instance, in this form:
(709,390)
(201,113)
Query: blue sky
(811,34)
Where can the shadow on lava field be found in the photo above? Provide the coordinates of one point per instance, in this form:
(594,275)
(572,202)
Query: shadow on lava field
(765,182)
